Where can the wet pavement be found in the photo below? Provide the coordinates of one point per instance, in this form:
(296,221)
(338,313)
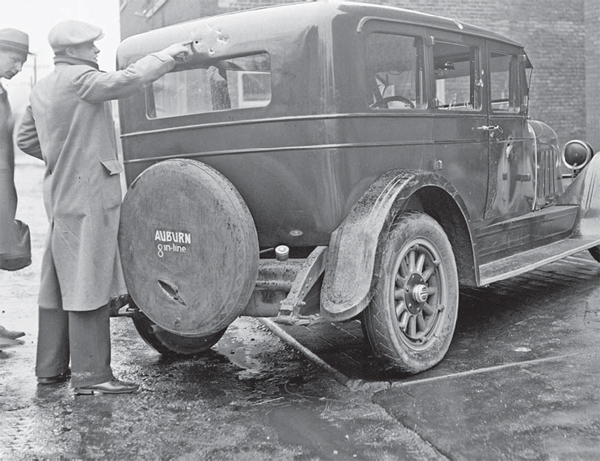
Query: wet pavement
(251,397)
(520,381)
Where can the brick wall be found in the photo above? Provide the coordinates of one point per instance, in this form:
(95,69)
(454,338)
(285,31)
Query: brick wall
(553,32)
(592,71)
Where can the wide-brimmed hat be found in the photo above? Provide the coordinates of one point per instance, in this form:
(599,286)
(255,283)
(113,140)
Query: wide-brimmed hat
(14,40)
(73,32)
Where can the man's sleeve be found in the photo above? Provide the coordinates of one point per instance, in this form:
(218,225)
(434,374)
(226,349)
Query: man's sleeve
(94,86)
(27,136)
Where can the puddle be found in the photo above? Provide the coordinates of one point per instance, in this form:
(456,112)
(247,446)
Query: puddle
(298,426)
(239,346)
(239,353)
(522,349)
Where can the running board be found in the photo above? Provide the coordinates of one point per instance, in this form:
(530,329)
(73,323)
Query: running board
(528,260)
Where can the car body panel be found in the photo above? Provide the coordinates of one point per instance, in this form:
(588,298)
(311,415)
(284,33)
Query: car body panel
(327,145)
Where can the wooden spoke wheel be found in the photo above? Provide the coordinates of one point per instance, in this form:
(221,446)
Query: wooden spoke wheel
(411,319)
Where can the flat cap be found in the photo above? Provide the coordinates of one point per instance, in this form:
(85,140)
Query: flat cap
(73,32)
(14,39)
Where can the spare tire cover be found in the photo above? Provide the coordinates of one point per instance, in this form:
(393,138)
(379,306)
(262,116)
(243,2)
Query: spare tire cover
(189,247)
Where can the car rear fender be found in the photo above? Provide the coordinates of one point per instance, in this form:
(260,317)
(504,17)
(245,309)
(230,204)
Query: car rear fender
(353,248)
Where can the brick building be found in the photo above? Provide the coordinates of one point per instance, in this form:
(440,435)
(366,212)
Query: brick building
(561,37)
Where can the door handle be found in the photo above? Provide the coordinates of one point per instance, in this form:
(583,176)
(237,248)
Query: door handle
(490,128)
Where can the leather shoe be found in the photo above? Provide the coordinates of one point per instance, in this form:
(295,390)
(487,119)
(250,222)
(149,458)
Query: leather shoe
(4,333)
(114,386)
(55,379)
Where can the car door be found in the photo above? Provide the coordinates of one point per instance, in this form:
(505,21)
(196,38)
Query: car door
(511,181)
(460,116)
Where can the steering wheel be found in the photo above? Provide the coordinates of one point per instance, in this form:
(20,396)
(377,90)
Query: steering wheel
(384,102)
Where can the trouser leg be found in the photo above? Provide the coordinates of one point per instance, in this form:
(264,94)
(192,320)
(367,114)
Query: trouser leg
(53,343)
(89,334)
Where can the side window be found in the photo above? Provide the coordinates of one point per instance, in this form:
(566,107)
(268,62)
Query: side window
(233,83)
(504,81)
(394,72)
(457,70)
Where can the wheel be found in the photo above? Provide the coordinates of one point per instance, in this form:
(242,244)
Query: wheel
(170,344)
(384,102)
(595,252)
(189,247)
(410,321)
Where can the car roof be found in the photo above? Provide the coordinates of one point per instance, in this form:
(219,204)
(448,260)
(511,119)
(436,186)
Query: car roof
(271,20)
(417,18)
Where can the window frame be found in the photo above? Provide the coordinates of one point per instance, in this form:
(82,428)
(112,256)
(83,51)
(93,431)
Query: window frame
(517,76)
(150,100)
(371,25)
(419,74)
(477,81)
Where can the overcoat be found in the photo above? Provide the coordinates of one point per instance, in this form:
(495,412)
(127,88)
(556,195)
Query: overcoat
(8,195)
(15,244)
(69,125)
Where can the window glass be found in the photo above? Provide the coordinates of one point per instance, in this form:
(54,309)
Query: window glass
(504,83)
(233,83)
(457,76)
(394,72)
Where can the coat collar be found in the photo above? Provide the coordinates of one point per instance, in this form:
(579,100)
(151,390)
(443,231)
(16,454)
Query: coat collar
(74,61)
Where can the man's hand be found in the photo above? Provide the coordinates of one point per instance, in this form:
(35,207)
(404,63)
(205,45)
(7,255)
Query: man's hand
(179,51)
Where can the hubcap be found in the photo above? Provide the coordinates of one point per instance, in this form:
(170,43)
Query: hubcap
(418,293)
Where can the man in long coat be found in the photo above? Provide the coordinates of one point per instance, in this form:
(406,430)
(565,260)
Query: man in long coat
(69,125)
(14,252)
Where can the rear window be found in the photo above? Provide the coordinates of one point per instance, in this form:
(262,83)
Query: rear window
(232,83)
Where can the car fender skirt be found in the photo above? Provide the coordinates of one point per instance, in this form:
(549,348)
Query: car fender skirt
(353,247)
(585,191)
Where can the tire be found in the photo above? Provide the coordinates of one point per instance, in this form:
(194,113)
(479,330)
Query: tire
(189,247)
(411,319)
(595,252)
(170,344)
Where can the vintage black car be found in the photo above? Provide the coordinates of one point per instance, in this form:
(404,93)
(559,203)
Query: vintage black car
(342,159)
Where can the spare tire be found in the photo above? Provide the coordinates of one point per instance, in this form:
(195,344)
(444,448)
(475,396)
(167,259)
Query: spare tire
(169,344)
(189,247)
